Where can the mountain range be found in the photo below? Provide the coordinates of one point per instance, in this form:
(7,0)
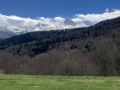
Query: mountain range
(8,31)
(87,51)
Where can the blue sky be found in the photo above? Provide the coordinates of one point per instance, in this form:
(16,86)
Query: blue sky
(55,8)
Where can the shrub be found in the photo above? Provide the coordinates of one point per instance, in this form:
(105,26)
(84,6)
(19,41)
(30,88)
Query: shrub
(67,67)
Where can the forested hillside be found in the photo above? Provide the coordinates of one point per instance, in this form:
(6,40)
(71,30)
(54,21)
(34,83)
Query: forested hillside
(82,51)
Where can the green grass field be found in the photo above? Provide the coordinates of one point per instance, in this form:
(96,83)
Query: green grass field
(27,82)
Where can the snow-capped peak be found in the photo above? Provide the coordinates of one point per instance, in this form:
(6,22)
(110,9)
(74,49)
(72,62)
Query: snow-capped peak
(67,21)
(14,25)
(64,24)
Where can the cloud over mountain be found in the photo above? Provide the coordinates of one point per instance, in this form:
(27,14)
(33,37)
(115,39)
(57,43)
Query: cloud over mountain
(15,25)
(19,21)
(98,17)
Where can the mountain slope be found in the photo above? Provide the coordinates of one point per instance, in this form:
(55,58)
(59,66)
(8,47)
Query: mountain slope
(1,39)
(48,38)
(86,51)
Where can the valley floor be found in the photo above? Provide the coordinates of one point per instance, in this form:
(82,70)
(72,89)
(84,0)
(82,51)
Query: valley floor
(27,82)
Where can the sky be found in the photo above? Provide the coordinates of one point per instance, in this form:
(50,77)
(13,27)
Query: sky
(55,8)
(31,12)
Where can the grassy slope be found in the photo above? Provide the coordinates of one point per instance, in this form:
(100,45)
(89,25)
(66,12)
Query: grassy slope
(24,82)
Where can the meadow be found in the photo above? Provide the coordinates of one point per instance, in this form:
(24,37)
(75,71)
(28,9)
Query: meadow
(29,82)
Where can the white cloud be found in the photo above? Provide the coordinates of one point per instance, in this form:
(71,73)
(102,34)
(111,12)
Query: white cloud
(107,10)
(59,19)
(94,18)
(77,19)
(99,17)
(45,20)
(17,21)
